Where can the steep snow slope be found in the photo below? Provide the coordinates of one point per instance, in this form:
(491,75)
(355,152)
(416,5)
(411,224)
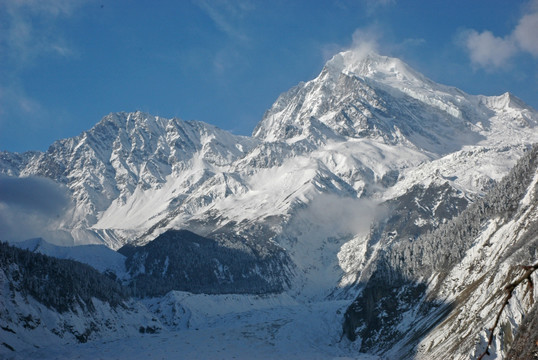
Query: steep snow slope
(477,285)
(46,301)
(380,97)
(128,168)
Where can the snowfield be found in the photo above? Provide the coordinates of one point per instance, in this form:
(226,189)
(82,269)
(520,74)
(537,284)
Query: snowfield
(225,327)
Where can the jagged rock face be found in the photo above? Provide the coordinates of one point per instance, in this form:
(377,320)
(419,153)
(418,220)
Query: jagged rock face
(382,98)
(404,218)
(422,209)
(127,154)
(366,127)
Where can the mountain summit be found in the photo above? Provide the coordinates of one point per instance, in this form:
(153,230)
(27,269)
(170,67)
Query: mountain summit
(373,65)
(361,95)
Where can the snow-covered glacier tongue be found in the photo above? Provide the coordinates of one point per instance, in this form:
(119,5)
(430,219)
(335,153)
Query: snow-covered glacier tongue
(328,204)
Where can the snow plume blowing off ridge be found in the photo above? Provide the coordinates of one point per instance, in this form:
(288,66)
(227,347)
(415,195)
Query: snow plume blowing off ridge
(29,206)
(364,42)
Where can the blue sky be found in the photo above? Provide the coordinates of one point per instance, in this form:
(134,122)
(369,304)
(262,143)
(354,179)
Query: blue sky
(64,64)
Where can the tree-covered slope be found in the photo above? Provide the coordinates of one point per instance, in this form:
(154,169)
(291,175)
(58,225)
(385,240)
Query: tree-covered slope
(183,260)
(61,284)
(435,294)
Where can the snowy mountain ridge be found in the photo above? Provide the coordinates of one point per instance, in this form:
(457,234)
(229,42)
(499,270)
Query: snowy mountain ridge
(100,257)
(340,170)
(369,97)
(132,172)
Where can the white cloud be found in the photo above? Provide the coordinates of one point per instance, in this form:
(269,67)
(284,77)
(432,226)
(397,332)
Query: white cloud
(29,206)
(364,41)
(487,50)
(371,39)
(526,34)
(341,215)
(490,51)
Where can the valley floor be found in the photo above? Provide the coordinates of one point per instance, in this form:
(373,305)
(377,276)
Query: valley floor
(227,327)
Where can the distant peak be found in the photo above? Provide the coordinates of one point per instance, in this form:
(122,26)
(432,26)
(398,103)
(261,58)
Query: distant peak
(504,101)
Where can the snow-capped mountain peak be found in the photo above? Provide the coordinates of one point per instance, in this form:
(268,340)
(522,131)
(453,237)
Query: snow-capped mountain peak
(143,173)
(365,95)
(504,102)
(374,66)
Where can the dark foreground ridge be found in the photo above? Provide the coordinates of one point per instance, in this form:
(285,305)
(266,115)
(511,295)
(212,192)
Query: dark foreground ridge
(59,284)
(183,260)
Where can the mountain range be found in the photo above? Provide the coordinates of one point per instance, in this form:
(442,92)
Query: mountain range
(389,203)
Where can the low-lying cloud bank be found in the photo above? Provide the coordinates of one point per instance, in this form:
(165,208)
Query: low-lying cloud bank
(336,215)
(29,206)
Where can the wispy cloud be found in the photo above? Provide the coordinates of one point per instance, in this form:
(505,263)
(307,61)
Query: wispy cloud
(371,39)
(226,15)
(364,41)
(29,31)
(526,33)
(373,6)
(488,50)
(341,215)
(227,58)
(494,52)
(13,97)
(16,106)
